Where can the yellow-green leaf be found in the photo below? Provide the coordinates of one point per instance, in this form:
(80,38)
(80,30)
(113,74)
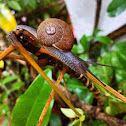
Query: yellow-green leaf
(1,64)
(7,20)
(70,113)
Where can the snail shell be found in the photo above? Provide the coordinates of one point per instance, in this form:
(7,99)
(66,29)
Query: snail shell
(57,33)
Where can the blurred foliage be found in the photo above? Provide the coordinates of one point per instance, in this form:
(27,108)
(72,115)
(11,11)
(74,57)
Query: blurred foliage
(7,20)
(14,84)
(55,120)
(26,5)
(96,123)
(116,7)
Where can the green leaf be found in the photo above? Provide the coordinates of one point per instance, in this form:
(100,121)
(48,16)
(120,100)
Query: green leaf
(70,113)
(96,31)
(117,107)
(4,96)
(14,5)
(24,2)
(120,76)
(55,120)
(17,85)
(32,3)
(104,39)
(116,7)
(124,118)
(46,16)
(5,109)
(9,79)
(90,37)
(85,43)
(121,58)
(84,56)
(77,49)
(32,103)
(120,55)
(119,46)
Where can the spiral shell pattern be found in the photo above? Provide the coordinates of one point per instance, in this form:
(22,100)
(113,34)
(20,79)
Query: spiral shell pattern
(57,33)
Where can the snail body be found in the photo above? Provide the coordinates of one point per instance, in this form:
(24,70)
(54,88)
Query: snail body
(47,34)
(57,33)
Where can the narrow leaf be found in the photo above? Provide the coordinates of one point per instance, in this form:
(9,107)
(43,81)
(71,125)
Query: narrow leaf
(9,79)
(17,85)
(14,5)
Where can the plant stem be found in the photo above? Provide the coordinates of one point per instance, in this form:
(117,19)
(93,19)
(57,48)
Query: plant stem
(50,97)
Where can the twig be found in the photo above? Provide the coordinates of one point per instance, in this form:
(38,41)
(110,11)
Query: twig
(118,32)
(50,97)
(15,56)
(98,9)
(68,96)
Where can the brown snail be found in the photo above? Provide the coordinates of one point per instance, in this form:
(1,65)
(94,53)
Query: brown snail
(57,33)
(68,58)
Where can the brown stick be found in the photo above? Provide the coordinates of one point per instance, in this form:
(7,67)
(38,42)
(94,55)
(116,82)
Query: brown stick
(41,118)
(98,9)
(68,96)
(15,56)
(7,51)
(118,32)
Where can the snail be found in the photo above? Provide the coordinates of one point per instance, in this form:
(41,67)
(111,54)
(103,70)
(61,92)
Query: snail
(57,38)
(57,33)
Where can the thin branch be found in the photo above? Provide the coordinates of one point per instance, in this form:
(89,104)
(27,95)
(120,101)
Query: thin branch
(117,32)
(51,97)
(68,96)
(98,9)
(15,56)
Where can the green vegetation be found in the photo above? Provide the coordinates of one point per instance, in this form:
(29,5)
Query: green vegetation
(24,99)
